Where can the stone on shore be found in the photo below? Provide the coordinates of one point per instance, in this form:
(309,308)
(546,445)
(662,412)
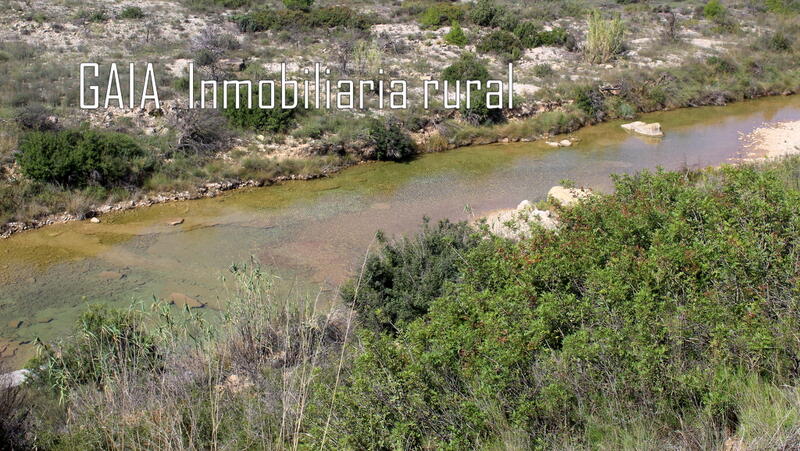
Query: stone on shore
(95,220)
(181,300)
(516,223)
(568,196)
(642,128)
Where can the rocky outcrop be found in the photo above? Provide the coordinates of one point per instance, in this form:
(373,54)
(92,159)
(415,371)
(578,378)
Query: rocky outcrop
(567,196)
(516,223)
(653,130)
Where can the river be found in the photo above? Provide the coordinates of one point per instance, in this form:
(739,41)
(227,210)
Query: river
(312,234)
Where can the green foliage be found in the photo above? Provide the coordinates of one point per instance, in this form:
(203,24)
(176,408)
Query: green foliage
(330,17)
(605,38)
(485,13)
(654,300)
(591,101)
(275,120)
(721,65)
(503,43)
(714,10)
(530,36)
(779,42)
(106,341)
(76,158)
(456,35)
(783,6)
(467,67)
(479,112)
(301,5)
(131,12)
(440,14)
(390,141)
(401,279)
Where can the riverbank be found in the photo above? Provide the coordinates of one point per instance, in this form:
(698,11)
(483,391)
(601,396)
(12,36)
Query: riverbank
(502,133)
(773,140)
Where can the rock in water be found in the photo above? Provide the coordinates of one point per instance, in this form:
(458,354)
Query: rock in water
(642,128)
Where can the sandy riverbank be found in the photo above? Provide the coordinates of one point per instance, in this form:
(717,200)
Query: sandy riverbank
(773,140)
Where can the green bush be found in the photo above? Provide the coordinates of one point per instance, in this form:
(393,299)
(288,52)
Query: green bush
(485,13)
(404,275)
(479,112)
(131,12)
(467,67)
(274,120)
(76,158)
(530,36)
(713,10)
(330,17)
(503,43)
(456,35)
(302,5)
(390,141)
(647,305)
(440,14)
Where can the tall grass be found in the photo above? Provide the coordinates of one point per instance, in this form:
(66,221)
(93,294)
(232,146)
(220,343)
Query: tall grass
(604,39)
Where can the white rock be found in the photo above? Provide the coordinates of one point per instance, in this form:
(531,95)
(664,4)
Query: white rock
(568,196)
(642,128)
(565,143)
(95,220)
(13,378)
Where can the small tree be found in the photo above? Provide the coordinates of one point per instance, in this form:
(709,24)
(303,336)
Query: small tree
(605,38)
(456,35)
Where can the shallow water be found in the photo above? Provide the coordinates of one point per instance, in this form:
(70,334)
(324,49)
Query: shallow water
(312,234)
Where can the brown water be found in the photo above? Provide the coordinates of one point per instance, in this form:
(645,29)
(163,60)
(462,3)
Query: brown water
(312,234)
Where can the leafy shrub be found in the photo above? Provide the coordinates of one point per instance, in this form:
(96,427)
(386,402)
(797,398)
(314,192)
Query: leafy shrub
(479,112)
(269,19)
(604,39)
(456,35)
(404,275)
(713,10)
(275,120)
(590,100)
(503,43)
(302,5)
(485,13)
(440,14)
(131,12)
(530,36)
(467,67)
(79,158)
(640,303)
(95,15)
(390,141)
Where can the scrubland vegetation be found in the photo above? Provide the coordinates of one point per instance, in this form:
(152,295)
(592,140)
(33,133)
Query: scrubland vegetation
(662,316)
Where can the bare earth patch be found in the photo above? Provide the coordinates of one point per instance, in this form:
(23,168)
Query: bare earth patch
(773,140)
